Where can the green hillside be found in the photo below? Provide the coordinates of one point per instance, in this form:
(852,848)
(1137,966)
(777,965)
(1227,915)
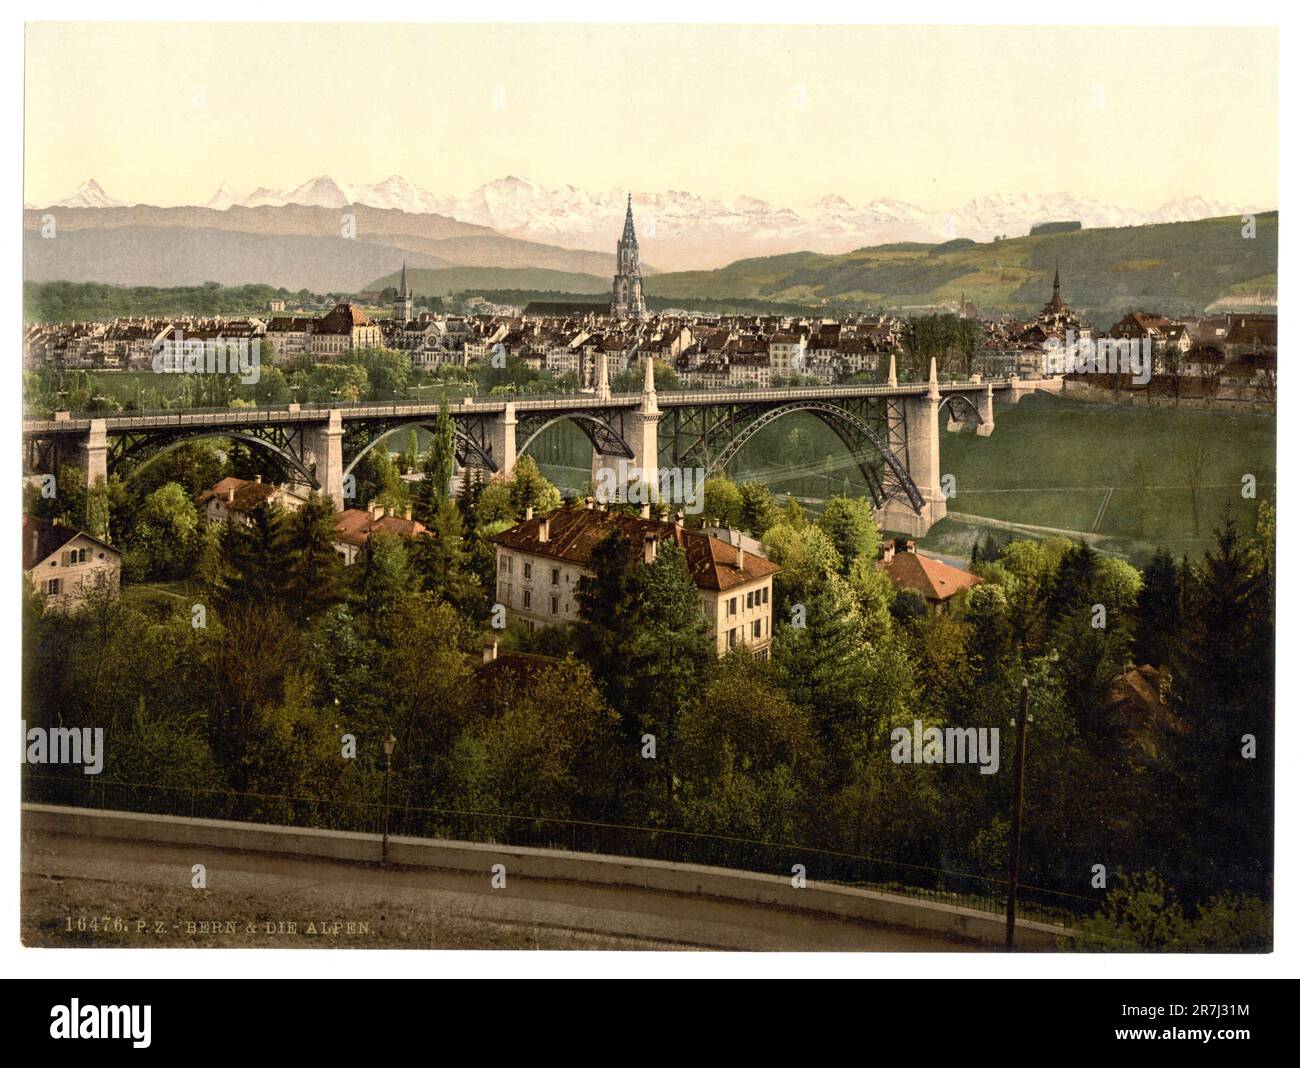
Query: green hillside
(438,282)
(1176,268)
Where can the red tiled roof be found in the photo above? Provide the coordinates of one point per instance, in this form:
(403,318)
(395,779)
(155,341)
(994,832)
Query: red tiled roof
(575,533)
(355,525)
(933,579)
(248,495)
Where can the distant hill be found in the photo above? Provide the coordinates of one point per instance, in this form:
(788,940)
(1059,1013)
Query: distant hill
(1180,268)
(291,245)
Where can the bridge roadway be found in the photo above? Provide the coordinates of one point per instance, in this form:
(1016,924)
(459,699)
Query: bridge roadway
(79,423)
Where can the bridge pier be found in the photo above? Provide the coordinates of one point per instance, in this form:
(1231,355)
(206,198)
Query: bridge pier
(501,441)
(617,477)
(323,449)
(92,453)
(985,406)
(915,441)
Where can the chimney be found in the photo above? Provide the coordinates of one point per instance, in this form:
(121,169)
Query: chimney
(909,546)
(645,511)
(230,495)
(489,650)
(36,540)
(258,479)
(889,550)
(544,530)
(591,503)
(376,510)
(528,513)
(650,547)
(740,558)
(407,514)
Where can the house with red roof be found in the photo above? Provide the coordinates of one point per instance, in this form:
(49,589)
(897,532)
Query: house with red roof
(541,560)
(934,580)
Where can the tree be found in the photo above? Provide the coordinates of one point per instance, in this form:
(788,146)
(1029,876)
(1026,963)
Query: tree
(382,575)
(723,503)
(849,524)
(315,571)
(807,558)
(758,510)
(1159,611)
(164,538)
(439,465)
(1193,458)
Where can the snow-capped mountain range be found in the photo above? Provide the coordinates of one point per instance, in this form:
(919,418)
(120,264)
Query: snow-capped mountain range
(681,230)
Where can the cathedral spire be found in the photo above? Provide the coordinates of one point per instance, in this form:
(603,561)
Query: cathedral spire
(628,299)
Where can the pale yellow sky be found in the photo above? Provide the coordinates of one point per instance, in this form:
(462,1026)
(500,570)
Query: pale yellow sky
(164,113)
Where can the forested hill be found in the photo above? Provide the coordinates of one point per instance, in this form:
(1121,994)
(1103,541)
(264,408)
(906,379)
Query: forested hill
(1174,268)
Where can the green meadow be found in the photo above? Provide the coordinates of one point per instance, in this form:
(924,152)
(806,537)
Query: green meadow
(1120,472)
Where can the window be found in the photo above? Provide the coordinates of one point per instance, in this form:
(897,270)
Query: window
(555,606)
(528,570)
(731,607)
(766,591)
(731,638)
(53,587)
(758,628)
(555,576)
(528,598)
(749,599)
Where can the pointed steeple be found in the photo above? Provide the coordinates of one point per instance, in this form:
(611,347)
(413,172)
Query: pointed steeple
(403,291)
(629,231)
(1056,282)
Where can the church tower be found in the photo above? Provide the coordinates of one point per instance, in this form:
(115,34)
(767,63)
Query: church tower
(404,305)
(628,301)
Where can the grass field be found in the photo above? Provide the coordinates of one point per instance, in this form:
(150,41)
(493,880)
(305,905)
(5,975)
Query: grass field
(1055,463)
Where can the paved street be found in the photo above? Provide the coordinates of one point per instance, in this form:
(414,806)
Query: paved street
(83,891)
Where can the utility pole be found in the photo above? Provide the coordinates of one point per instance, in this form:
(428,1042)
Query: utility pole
(1022,721)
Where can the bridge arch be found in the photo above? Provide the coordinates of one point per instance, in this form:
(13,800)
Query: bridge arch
(605,440)
(960,400)
(851,429)
(466,445)
(290,461)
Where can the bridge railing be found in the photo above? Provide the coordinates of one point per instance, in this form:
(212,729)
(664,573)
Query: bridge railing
(311,411)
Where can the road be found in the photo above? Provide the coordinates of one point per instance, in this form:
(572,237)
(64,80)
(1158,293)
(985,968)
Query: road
(81,891)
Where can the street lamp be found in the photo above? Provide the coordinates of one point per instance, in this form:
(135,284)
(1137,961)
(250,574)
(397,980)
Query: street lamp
(390,743)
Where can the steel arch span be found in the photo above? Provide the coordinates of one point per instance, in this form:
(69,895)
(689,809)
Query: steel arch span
(467,446)
(605,439)
(154,446)
(858,437)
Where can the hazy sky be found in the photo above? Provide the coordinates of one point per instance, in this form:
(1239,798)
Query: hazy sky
(164,113)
